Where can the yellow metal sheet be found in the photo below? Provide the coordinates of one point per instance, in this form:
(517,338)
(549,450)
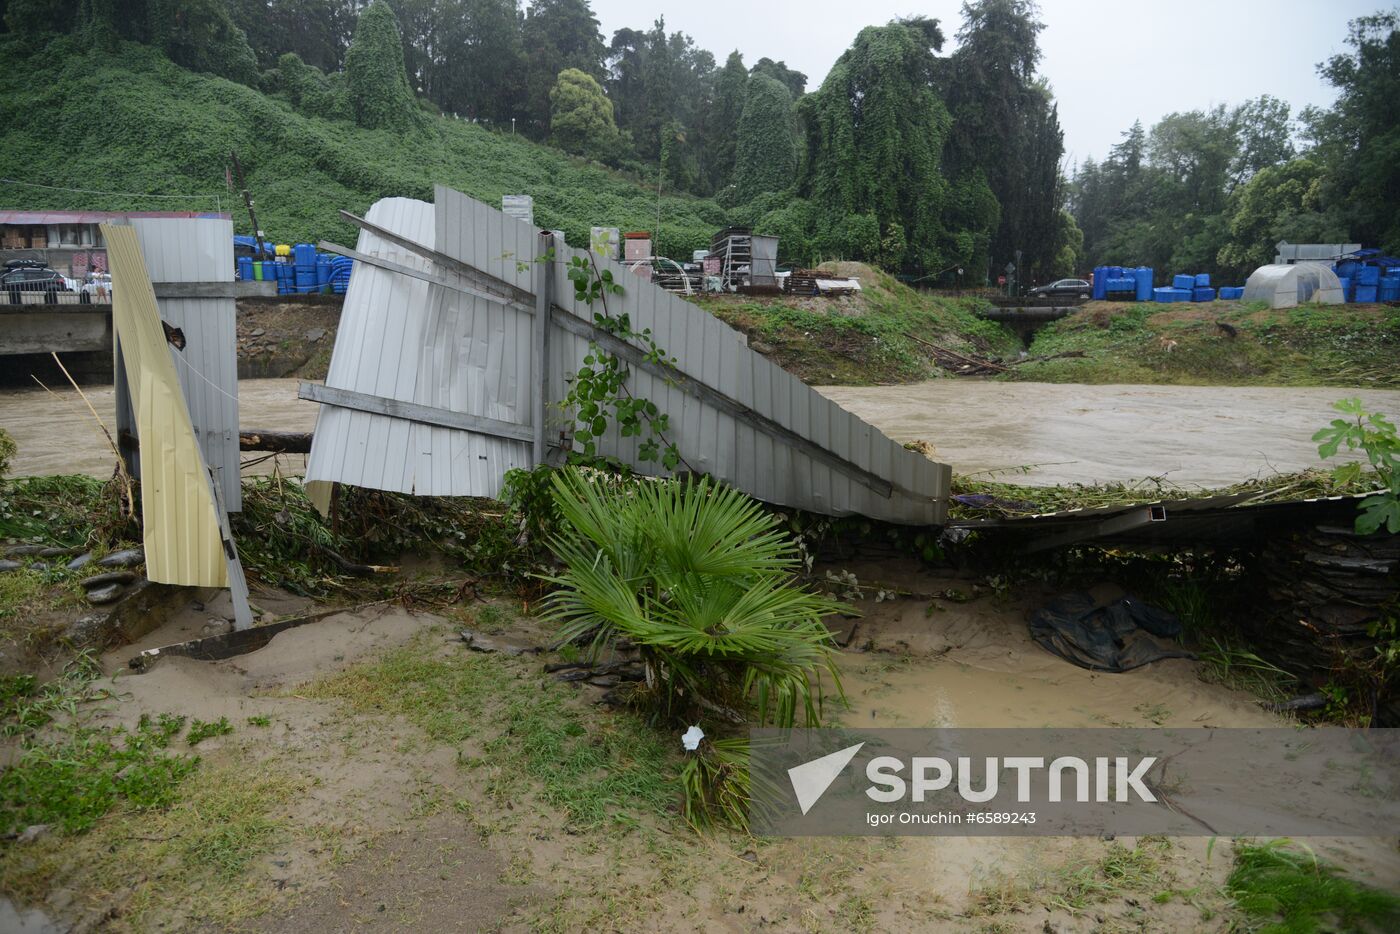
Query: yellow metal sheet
(179,525)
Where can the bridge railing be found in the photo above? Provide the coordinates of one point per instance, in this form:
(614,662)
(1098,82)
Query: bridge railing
(51,293)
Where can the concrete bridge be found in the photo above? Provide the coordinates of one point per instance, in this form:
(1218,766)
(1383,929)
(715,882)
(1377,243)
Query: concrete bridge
(60,328)
(1025,320)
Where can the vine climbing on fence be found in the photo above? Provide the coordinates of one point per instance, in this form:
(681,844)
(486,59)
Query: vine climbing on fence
(599,394)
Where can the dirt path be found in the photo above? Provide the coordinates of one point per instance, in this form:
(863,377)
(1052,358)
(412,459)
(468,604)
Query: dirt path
(1191,435)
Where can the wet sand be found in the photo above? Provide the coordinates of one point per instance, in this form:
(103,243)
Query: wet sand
(1194,436)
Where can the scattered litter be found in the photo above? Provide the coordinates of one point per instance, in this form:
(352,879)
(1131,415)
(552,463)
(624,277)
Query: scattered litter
(1118,637)
(690,739)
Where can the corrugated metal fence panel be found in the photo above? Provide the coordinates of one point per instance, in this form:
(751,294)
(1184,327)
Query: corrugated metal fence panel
(405,339)
(376,352)
(200,250)
(477,354)
(180,529)
(713,442)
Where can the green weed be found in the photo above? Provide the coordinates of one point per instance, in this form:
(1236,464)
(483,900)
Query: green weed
(200,730)
(1290,891)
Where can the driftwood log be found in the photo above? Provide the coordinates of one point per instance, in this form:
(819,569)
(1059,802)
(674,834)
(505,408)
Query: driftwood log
(274,442)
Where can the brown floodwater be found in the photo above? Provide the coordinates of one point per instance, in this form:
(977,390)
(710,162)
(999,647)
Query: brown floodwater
(1205,436)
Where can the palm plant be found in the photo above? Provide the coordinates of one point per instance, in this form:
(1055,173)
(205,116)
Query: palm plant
(700,580)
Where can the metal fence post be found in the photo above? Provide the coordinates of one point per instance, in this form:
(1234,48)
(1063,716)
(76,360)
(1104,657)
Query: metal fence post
(544,300)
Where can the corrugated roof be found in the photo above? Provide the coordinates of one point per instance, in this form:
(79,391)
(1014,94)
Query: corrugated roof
(96,217)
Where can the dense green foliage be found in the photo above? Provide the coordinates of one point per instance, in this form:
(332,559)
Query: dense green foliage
(1214,191)
(766,148)
(1286,888)
(875,134)
(374,68)
(581,120)
(133,122)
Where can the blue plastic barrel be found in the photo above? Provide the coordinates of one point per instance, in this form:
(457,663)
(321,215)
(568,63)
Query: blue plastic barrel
(1203,294)
(1366,293)
(1183,281)
(1202,280)
(1368,275)
(245,268)
(324,270)
(1100,281)
(1143,275)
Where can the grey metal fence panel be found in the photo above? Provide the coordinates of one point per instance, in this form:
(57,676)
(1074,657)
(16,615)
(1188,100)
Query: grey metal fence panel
(199,250)
(415,341)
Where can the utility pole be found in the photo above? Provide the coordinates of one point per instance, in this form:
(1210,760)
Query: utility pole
(248,201)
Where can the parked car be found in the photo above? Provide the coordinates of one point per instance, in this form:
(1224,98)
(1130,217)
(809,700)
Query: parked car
(28,275)
(1064,288)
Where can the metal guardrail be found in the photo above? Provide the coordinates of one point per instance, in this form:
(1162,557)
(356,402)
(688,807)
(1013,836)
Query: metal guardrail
(46,293)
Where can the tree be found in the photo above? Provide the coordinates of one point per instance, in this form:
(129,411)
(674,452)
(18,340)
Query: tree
(875,132)
(720,127)
(766,150)
(794,81)
(582,116)
(1283,202)
(1265,135)
(557,35)
(1358,139)
(201,36)
(1006,125)
(379,92)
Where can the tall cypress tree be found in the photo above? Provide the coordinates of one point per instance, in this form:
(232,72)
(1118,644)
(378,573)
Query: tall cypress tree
(765,155)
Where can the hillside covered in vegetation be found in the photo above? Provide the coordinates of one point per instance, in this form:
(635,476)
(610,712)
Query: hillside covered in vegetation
(133,120)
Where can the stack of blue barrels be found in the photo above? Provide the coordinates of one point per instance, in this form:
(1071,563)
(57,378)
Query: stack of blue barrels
(1366,283)
(303,272)
(1117,280)
(1180,290)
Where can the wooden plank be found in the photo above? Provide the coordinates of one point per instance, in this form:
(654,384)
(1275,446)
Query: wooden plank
(720,401)
(413,412)
(193,289)
(566,319)
(544,298)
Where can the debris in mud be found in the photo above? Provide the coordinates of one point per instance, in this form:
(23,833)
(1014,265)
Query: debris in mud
(8,565)
(1118,637)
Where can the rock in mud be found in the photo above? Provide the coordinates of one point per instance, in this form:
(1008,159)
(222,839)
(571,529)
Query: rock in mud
(111,577)
(479,643)
(128,558)
(315,334)
(23,551)
(107,594)
(215,627)
(8,565)
(32,832)
(80,562)
(59,552)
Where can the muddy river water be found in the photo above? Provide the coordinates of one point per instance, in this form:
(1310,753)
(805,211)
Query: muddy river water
(1190,435)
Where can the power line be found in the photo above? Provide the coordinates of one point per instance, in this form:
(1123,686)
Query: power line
(94,191)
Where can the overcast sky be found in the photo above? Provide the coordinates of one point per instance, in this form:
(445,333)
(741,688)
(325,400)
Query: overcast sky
(1109,61)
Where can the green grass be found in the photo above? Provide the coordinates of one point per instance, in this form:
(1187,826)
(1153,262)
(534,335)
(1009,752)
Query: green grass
(1286,889)
(533,738)
(1078,884)
(130,121)
(867,339)
(1312,345)
(70,775)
